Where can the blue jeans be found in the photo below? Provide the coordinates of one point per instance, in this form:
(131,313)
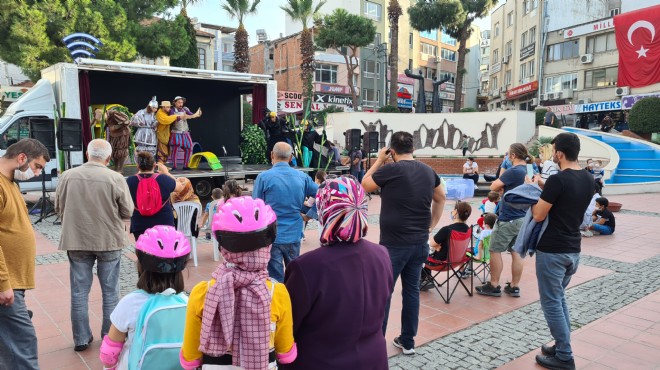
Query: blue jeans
(554,272)
(407,261)
(280,256)
(603,229)
(81,277)
(18,340)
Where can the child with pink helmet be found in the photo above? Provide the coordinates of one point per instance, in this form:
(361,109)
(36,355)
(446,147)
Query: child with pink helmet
(162,254)
(240,317)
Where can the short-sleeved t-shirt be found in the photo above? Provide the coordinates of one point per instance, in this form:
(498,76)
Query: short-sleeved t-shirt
(406,194)
(124,318)
(470,167)
(442,238)
(548,117)
(512,178)
(607,215)
(569,192)
(354,155)
(166,214)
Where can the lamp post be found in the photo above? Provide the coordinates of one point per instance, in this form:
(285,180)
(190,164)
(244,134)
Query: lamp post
(381,49)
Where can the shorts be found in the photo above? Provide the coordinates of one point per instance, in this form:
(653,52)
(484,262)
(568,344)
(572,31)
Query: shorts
(504,235)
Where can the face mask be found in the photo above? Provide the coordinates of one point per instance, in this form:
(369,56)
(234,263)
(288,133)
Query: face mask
(23,175)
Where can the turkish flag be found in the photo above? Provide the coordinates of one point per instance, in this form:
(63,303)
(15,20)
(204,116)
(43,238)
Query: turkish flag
(638,41)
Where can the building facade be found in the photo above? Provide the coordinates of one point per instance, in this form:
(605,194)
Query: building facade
(223,46)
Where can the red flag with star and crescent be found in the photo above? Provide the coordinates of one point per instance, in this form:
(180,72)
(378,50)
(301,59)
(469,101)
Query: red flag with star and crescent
(638,41)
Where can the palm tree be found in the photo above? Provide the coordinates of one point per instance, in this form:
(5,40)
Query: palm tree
(239,9)
(393,13)
(303,11)
(186,3)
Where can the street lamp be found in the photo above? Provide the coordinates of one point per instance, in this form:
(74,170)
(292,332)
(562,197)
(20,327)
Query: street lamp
(381,49)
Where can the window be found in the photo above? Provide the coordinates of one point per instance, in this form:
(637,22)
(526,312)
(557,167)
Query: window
(601,43)
(532,35)
(507,78)
(531,68)
(558,83)
(376,41)
(202,58)
(535,4)
(326,73)
(410,40)
(497,29)
(226,48)
(523,71)
(496,56)
(451,75)
(494,83)
(526,6)
(615,11)
(429,49)
(523,40)
(372,10)
(431,35)
(601,77)
(446,39)
(430,73)
(509,19)
(563,50)
(370,68)
(508,49)
(18,130)
(448,54)
(369,95)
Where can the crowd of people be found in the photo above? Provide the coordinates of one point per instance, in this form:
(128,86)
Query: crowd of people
(265,306)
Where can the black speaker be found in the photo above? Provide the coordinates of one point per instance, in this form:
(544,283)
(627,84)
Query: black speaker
(353,137)
(43,129)
(370,142)
(69,135)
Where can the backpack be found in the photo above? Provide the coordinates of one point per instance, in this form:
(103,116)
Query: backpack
(148,197)
(159,332)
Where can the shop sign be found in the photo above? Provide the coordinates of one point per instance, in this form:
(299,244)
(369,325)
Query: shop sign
(404,96)
(598,107)
(589,28)
(522,89)
(495,68)
(12,93)
(291,106)
(527,51)
(446,95)
(448,86)
(628,101)
(333,89)
(333,99)
(562,109)
(289,95)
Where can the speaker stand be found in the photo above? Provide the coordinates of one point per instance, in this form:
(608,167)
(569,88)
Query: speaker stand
(47,208)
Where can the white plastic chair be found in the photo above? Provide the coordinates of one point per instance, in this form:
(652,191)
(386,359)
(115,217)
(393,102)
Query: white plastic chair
(186,223)
(216,249)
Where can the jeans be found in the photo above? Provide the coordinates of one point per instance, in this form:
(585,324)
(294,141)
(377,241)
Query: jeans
(407,261)
(81,277)
(603,229)
(18,340)
(280,256)
(554,272)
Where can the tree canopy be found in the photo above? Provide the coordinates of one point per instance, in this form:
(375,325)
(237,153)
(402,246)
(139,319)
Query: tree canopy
(31,32)
(239,9)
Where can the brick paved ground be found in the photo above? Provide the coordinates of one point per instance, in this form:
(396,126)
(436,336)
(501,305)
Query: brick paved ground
(614,302)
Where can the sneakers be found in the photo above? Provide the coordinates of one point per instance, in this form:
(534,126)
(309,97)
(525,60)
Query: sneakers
(548,350)
(513,291)
(552,362)
(426,284)
(587,233)
(397,344)
(82,347)
(489,290)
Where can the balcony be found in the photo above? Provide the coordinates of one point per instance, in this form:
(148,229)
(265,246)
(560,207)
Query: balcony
(228,57)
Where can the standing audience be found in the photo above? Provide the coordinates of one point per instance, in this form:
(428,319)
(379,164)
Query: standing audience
(18,341)
(564,199)
(412,203)
(93,203)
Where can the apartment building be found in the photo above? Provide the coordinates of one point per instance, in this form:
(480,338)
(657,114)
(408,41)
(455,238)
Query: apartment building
(484,67)
(519,41)
(223,45)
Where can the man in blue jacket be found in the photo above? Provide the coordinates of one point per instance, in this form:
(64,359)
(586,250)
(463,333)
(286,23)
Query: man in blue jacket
(564,199)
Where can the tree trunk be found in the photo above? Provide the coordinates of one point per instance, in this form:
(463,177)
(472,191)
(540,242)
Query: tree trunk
(394,12)
(350,68)
(460,69)
(241,50)
(307,66)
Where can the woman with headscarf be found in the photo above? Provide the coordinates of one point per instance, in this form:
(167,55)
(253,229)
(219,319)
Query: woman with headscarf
(184,193)
(339,291)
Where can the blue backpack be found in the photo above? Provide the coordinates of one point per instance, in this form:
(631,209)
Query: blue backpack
(159,332)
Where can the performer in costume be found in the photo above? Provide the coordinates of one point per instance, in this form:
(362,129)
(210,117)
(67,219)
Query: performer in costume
(276,130)
(119,137)
(145,120)
(180,136)
(165,120)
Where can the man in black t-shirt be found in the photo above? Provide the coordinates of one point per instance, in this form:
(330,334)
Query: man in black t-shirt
(564,200)
(412,202)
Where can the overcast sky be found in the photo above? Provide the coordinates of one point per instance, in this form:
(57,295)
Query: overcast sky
(269,17)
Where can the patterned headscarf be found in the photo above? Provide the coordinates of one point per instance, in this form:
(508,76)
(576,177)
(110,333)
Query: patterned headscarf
(186,194)
(342,207)
(236,317)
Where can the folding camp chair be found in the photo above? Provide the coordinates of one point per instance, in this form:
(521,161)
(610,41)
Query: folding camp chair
(458,259)
(186,223)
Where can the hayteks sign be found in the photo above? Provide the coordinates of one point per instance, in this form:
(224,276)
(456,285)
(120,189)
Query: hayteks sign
(589,28)
(598,107)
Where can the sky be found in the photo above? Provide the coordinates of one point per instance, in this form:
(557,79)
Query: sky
(269,17)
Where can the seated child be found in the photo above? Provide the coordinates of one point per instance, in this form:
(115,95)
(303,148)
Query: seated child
(603,219)
(210,208)
(240,317)
(440,241)
(162,254)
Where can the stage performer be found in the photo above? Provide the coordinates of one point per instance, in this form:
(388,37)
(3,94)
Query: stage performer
(119,136)
(145,120)
(180,136)
(165,120)
(276,130)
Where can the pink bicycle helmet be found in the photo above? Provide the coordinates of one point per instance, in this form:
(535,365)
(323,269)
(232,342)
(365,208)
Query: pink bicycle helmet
(162,249)
(244,224)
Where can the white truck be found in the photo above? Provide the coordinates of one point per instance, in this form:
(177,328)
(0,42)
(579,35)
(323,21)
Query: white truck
(67,90)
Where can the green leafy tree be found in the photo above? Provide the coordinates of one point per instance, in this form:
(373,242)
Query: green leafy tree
(239,9)
(190,57)
(389,109)
(393,13)
(253,144)
(468,110)
(643,118)
(343,30)
(303,11)
(455,18)
(31,32)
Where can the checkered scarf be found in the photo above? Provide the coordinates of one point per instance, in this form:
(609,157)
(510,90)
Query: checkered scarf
(236,317)
(342,207)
